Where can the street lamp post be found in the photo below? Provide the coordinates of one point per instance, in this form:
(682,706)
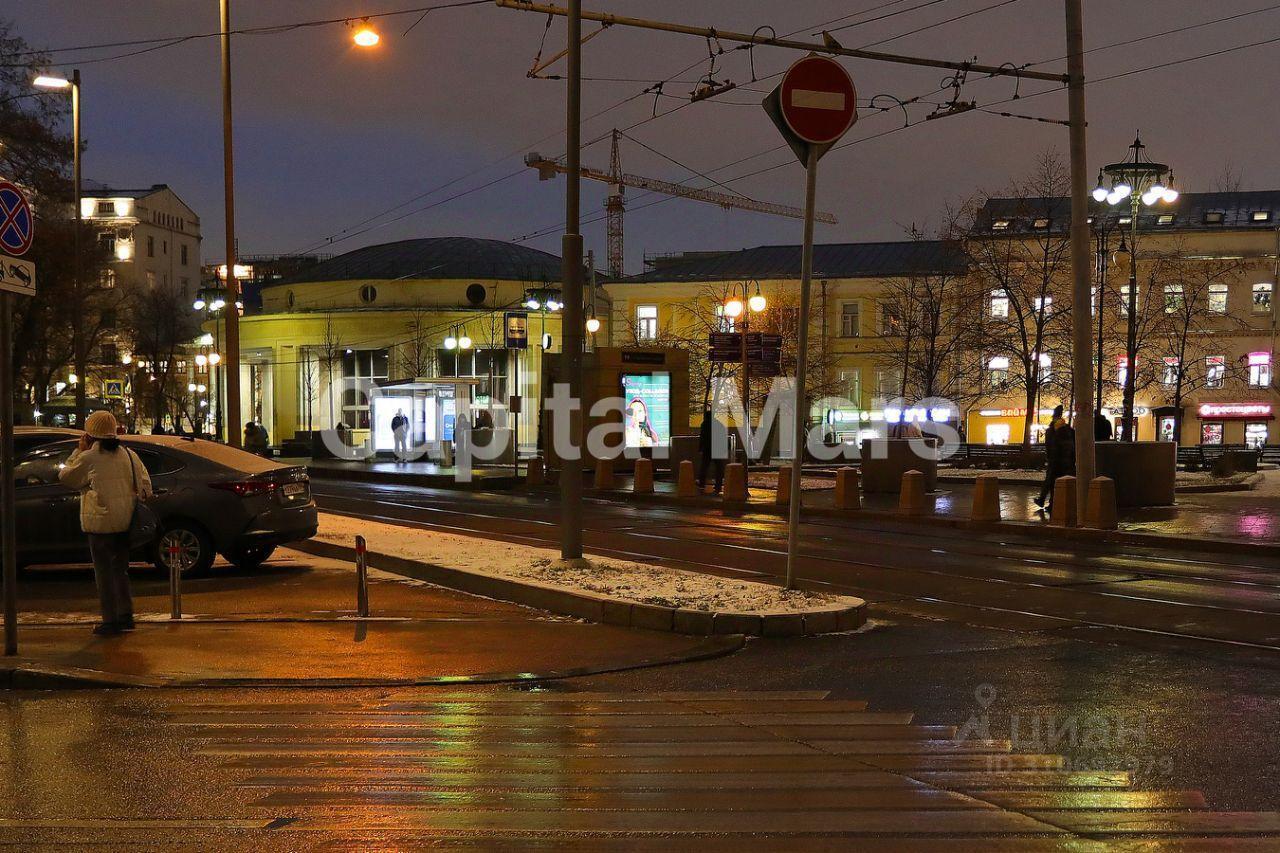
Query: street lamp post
(1102,226)
(229,204)
(1139,181)
(80,352)
(740,311)
(212,301)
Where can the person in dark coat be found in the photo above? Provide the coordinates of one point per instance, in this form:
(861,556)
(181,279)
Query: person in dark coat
(1101,427)
(713,444)
(1051,472)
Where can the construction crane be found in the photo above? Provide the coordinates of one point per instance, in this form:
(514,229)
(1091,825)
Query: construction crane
(619,180)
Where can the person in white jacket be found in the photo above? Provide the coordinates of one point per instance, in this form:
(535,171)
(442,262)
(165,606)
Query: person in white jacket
(110,479)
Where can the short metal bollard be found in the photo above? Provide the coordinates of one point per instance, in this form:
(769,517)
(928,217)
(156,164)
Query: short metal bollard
(362,578)
(175,590)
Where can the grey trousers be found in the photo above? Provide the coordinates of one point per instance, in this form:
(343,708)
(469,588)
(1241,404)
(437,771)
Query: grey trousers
(110,552)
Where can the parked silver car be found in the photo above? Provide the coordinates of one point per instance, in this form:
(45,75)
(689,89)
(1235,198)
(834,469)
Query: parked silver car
(210,499)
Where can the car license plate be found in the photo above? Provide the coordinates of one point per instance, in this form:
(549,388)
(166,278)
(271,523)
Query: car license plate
(293,490)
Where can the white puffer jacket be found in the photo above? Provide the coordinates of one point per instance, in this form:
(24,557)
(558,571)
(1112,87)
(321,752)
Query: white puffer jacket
(105,482)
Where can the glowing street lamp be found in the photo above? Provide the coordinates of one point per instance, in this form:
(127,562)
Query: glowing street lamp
(366,36)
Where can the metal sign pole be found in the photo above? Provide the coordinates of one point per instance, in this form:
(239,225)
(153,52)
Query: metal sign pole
(802,365)
(8,527)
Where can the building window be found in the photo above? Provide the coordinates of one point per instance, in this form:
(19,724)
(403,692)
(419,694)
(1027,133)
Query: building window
(367,364)
(1211,433)
(1255,435)
(850,319)
(186,286)
(1261,216)
(998,371)
(888,383)
(107,279)
(488,366)
(1164,219)
(1262,297)
(109,353)
(1218,298)
(1122,369)
(151,279)
(1000,225)
(890,321)
(368,294)
(646,322)
(999,304)
(151,247)
(1215,371)
(1041,223)
(1044,305)
(1213,217)
(1174,300)
(1259,369)
(851,385)
(1124,299)
(182,252)
(1171,371)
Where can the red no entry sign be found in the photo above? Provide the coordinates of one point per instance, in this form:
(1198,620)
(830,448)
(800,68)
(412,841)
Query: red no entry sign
(818,100)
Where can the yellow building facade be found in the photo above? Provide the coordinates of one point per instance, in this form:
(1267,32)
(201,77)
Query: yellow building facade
(436,307)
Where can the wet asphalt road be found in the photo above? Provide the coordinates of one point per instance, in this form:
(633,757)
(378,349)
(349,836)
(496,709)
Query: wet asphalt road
(1122,658)
(1159,665)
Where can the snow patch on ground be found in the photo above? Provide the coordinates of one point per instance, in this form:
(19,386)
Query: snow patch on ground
(618,579)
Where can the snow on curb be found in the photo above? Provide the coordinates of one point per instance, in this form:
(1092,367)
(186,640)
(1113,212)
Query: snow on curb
(605,590)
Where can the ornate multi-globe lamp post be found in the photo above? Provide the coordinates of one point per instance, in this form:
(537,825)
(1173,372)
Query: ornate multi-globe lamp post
(1138,181)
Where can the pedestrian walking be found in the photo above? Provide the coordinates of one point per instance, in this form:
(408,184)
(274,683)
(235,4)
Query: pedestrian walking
(1051,470)
(713,446)
(400,432)
(111,480)
(1102,430)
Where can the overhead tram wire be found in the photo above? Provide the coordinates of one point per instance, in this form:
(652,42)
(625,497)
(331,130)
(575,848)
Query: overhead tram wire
(342,235)
(951,20)
(266,29)
(979,108)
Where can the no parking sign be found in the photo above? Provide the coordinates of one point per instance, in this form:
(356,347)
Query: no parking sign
(17,231)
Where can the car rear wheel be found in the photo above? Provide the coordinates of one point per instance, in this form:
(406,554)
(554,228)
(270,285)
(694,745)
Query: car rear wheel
(185,545)
(250,557)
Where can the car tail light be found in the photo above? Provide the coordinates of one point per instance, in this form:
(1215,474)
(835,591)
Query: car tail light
(246,488)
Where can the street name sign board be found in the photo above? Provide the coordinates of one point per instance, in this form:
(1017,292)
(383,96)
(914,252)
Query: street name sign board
(517,326)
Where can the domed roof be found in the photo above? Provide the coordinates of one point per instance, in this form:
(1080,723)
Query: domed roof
(437,258)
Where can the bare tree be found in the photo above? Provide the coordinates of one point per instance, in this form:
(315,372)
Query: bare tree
(1190,333)
(1024,277)
(935,312)
(162,323)
(416,354)
(329,353)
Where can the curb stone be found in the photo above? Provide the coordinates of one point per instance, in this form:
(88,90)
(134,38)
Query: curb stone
(597,608)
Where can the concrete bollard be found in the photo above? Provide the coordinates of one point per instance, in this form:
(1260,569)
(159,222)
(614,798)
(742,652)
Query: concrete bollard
(537,473)
(911,500)
(782,497)
(686,485)
(1064,503)
(986,498)
(735,483)
(643,482)
(1100,509)
(848,495)
(604,474)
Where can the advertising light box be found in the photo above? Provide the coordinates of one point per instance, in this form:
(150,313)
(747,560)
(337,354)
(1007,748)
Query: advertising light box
(647,419)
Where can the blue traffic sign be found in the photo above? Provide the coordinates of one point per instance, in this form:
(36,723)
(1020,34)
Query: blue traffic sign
(17,225)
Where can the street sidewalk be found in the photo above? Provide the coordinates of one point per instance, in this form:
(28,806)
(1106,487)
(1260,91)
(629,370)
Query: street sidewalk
(293,624)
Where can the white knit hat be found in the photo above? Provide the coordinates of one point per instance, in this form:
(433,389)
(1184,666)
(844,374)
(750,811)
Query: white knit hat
(101,424)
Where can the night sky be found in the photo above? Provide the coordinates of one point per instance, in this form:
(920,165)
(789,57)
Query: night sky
(328,134)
